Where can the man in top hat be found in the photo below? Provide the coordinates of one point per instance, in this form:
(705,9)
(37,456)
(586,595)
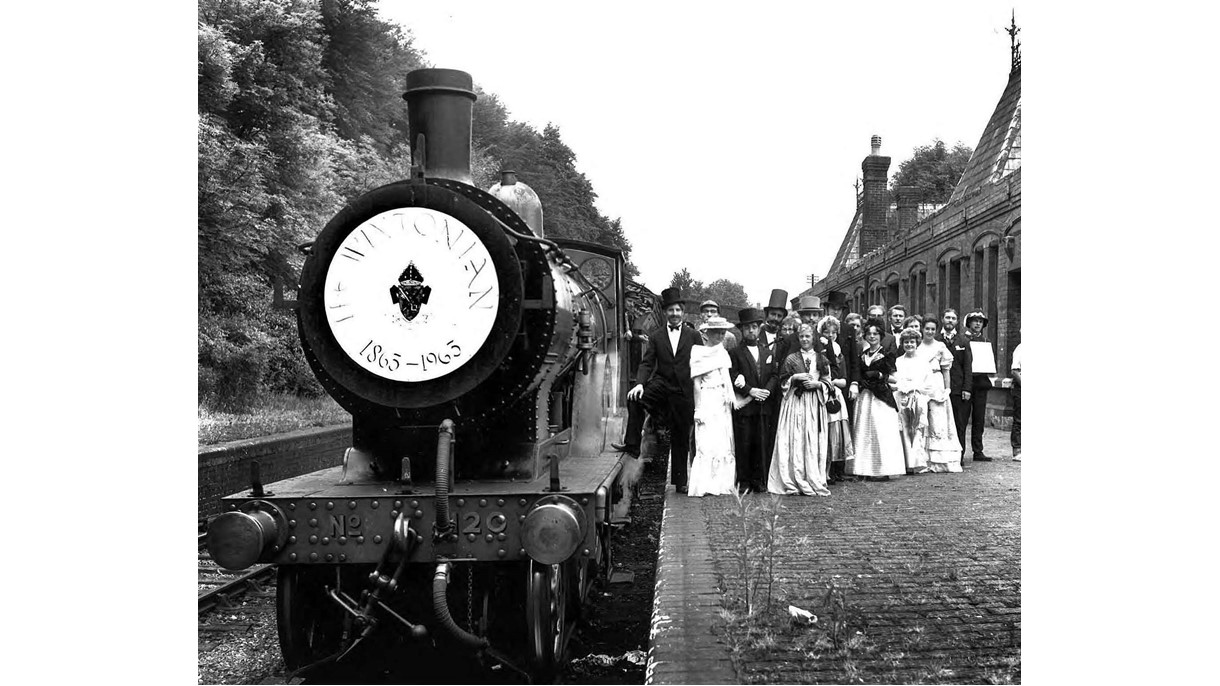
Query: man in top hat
(756,378)
(775,312)
(664,384)
(979,385)
(809,307)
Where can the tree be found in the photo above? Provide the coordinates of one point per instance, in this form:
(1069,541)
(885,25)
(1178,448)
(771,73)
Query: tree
(684,282)
(933,169)
(729,295)
(300,111)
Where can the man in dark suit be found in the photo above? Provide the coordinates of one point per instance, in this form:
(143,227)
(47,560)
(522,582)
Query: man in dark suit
(754,374)
(775,312)
(960,381)
(979,385)
(897,314)
(664,384)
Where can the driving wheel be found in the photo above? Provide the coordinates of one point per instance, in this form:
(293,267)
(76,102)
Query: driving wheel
(310,625)
(547,616)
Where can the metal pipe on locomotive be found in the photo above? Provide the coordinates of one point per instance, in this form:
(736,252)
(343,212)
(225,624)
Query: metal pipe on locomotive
(482,367)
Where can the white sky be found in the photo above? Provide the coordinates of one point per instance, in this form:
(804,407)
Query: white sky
(729,141)
(103,187)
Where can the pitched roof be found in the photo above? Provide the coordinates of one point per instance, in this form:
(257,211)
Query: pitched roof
(998,152)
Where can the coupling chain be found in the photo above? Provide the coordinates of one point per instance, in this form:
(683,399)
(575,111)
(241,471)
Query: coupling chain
(470,597)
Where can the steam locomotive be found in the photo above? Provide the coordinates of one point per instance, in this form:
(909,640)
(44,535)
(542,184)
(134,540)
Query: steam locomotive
(482,366)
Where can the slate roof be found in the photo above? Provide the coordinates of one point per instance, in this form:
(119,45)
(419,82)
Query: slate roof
(998,152)
(849,249)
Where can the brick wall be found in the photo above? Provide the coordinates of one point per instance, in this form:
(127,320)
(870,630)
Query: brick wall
(979,223)
(225,469)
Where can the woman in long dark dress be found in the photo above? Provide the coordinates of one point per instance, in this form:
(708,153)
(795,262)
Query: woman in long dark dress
(876,435)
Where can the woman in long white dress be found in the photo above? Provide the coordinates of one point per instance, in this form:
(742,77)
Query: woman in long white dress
(944,451)
(915,381)
(876,434)
(713,469)
(802,436)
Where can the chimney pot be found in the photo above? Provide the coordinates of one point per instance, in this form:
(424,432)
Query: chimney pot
(876,145)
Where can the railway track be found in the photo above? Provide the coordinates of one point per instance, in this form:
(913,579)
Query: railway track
(219,588)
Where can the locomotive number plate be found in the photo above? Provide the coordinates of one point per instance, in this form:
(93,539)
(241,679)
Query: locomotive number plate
(479,523)
(411,294)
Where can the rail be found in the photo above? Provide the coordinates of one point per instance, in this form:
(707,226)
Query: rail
(218,587)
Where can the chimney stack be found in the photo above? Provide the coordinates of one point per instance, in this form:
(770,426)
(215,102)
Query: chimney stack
(876,201)
(908,207)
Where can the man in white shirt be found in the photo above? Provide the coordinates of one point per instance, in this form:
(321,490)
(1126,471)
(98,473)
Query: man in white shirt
(775,312)
(664,385)
(756,382)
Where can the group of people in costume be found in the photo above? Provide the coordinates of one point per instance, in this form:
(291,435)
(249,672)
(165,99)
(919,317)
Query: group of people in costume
(792,404)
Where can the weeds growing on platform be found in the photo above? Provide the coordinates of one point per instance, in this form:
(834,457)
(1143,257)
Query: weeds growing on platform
(757,527)
(756,593)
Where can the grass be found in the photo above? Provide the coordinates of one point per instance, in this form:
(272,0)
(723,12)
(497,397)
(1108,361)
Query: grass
(274,415)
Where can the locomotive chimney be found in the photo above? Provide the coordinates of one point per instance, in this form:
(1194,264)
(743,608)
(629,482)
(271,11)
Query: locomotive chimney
(439,106)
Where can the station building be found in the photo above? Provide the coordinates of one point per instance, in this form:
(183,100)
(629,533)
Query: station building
(964,254)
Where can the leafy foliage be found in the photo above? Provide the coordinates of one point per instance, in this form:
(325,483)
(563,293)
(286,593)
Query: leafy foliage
(300,111)
(933,169)
(729,295)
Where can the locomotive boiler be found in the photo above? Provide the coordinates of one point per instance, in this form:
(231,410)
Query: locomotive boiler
(481,363)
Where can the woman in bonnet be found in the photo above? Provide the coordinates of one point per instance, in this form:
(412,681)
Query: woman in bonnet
(713,470)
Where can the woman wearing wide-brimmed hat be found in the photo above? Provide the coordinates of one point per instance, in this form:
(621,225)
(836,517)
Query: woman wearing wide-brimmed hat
(713,469)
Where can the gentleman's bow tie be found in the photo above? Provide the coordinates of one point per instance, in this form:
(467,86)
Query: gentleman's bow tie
(675,328)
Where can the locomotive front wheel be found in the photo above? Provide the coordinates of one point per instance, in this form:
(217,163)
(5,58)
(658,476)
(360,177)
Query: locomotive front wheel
(547,616)
(310,624)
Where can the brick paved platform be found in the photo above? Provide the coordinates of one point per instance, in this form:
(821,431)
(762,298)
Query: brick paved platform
(927,569)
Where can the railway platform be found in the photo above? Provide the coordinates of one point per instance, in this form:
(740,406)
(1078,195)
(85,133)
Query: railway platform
(912,580)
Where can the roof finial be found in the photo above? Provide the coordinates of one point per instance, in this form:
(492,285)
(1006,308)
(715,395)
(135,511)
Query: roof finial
(1013,30)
